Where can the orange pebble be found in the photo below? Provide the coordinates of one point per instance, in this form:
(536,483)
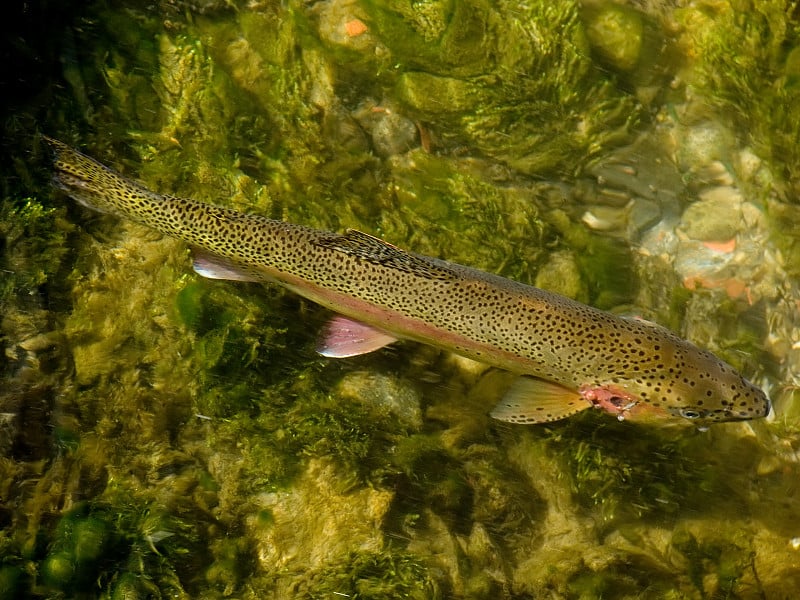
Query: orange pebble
(735,288)
(355,27)
(728,246)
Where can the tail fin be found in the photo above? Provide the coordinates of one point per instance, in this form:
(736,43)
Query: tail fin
(93,184)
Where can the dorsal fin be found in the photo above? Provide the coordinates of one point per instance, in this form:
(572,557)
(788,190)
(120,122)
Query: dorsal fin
(375,250)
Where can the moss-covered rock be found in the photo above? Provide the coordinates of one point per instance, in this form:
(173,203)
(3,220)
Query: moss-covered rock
(616,33)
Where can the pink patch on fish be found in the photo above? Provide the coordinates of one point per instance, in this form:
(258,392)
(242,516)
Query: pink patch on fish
(610,398)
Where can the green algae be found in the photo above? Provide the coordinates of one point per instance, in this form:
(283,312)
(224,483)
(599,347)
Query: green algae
(714,564)
(33,237)
(97,545)
(535,104)
(373,575)
(627,479)
(10,582)
(444,206)
(785,220)
(746,67)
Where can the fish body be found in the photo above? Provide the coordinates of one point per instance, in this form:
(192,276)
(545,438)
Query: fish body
(570,356)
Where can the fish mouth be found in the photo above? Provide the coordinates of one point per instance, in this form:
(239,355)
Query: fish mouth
(703,416)
(724,415)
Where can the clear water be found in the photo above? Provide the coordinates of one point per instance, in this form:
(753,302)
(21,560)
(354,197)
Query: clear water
(163,435)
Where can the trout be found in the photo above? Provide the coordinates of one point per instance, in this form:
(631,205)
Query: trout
(569,356)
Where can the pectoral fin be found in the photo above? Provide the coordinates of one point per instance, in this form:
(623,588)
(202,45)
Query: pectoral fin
(343,337)
(532,400)
(216,267)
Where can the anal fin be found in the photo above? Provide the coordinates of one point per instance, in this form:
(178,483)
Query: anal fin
(531,400)
(343,337)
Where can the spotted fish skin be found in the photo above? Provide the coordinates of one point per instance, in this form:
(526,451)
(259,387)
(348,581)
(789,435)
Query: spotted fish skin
(623,365)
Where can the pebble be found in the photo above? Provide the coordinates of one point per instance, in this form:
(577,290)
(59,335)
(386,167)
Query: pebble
(385,392)
(717,216)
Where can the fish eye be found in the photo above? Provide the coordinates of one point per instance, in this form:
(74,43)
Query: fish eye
(691,413)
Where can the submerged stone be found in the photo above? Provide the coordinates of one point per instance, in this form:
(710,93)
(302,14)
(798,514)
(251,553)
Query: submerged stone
(435,36)
(717,216)
(701,144)
(615,32)
(57,570)
(341,24)
(383,392)
(391,133)
(561,274)
(89,537)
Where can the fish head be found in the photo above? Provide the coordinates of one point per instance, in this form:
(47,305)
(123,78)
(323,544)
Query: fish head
(707,390)
(655,375)
(731,398)
(676,380)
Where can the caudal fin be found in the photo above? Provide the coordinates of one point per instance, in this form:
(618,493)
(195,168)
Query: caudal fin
(93,184)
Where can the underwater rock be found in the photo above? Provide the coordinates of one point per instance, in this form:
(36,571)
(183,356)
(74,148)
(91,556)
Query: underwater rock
(437,542)
(341,130)
(561,274)
(384,393)
(634,188)
(436,36)
(102,340)
(698,264)
(391,133)
(607,218)
(716,216)
(615,32)
(341,23)
(567,541)
(486,579)
(745,67)
(701,144)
